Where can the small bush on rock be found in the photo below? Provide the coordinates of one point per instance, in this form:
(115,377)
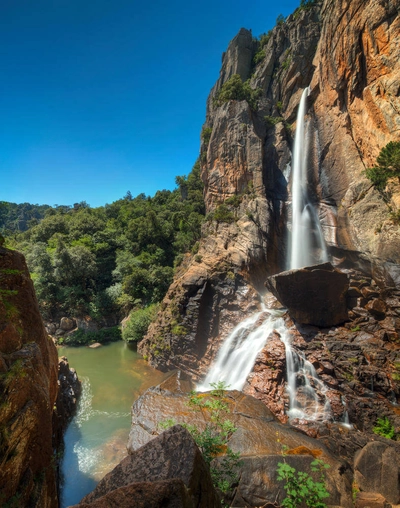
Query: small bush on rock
(213,440)
(384,428)
(301,488)
(138,323)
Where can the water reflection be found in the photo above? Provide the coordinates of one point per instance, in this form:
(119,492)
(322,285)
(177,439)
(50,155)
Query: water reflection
(113,376)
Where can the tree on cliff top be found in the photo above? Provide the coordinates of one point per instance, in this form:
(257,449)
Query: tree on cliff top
(388,165)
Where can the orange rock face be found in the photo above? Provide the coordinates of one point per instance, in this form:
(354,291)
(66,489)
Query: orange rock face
(348,53)
(28,381)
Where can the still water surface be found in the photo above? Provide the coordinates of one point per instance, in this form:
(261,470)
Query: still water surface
(112,376)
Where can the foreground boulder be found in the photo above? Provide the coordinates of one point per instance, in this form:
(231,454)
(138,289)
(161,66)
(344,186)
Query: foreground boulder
(169,471)
(314,295)
(259,438)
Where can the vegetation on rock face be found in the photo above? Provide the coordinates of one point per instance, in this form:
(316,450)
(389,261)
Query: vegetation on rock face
(138,323)
(206,135)
(236,89)
(213,440)
(384,428)
(110,259)
(301,489)
(388,166)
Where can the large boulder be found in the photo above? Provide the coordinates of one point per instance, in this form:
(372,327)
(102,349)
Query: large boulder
(169,457)
(166,493)
(314,295)
(259,439)
(377,469)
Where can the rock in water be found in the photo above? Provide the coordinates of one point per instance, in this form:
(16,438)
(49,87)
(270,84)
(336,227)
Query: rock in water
(314,295)
(168,471)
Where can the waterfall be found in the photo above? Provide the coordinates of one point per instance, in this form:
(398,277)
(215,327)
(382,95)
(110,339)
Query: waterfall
(307,245)
(307,394)
(236,358)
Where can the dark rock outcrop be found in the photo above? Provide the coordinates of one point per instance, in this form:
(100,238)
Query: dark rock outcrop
(68,392)
(172,462)
(28,381)
(314,295)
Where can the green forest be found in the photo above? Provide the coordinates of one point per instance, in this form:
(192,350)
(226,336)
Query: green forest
(107,261)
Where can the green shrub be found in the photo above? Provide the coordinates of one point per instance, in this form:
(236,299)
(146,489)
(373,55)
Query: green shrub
(138,323)
(213,440)
(273,120)
(264,38)
(258,57)
(235,89)
(206,134)
(384,428)
(83,338)
(223,214)
(280,20)
(388,166)
(179,330)
(301,487)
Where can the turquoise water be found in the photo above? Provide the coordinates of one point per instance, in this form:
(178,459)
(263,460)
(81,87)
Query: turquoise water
(112,376)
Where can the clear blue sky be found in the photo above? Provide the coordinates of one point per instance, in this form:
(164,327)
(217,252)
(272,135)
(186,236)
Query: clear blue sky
(98,97)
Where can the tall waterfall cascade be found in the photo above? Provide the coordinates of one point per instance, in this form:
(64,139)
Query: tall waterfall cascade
(307,245)
(235,360)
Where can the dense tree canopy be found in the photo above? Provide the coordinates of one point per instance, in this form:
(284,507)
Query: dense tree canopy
(99,261)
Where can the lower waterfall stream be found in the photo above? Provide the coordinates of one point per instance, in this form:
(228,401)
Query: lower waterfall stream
(235,360)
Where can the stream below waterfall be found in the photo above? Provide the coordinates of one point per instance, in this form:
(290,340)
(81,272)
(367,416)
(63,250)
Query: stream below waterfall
(112,376)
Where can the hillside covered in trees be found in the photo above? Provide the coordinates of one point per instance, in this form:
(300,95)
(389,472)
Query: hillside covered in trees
(108,260)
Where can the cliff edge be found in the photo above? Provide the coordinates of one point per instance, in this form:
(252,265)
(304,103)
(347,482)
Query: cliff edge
(28,381)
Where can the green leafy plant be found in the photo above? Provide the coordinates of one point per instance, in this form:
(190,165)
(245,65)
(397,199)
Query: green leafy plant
(388,166)
(138,323)
(235,89)
(206,135)
(83,338)
(213,439)
(259,57)
(280,20)
(301,488)
(384,428)
(222,214)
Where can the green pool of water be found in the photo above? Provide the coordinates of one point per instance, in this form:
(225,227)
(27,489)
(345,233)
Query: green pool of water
(112,376)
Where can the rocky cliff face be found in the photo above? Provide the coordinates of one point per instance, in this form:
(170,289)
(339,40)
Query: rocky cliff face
(348,52)
(28,382)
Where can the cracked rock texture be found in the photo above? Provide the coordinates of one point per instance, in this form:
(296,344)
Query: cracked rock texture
(28,381)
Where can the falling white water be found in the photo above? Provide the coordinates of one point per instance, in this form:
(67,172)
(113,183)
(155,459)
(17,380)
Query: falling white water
(307,394)
(307,245)
(236,358)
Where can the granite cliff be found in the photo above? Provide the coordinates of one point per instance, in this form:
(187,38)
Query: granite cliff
(348,53)
(33,411)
